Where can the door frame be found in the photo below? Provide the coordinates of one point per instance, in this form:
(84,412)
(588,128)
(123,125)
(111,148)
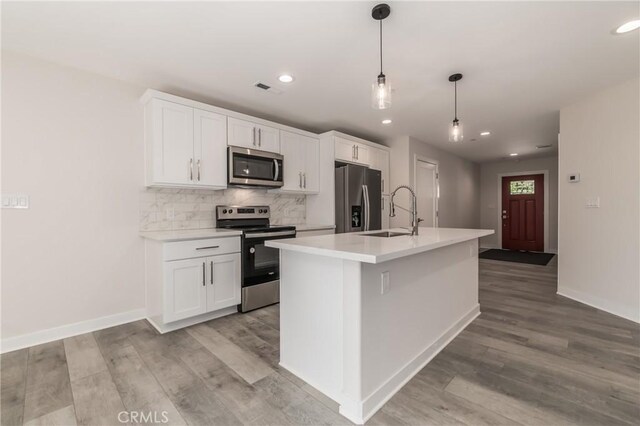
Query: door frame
(436,163)
(546,204)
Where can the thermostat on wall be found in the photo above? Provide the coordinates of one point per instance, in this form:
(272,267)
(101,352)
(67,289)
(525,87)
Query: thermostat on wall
(574,177)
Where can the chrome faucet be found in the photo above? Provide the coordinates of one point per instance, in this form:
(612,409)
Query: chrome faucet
(414,209)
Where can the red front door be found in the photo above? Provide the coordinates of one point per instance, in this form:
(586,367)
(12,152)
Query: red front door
(523,212)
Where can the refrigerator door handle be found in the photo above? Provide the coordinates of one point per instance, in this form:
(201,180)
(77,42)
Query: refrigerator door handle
(367,218)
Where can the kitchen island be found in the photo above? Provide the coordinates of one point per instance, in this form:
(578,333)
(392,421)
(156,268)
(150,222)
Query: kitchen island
(360,315)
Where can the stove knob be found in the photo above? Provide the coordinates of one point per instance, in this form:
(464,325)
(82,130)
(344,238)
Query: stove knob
(260,211)
(224,211)
(230,210)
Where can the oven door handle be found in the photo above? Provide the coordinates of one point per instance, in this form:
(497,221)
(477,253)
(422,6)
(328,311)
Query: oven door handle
(269,234)
(277,174)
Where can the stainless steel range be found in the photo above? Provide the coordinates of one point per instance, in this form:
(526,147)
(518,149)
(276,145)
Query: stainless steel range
(260,264)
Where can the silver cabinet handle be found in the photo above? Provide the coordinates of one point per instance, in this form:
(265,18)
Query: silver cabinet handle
(212,272)
(204,272)
(304,177)
(254,136)
(357,152)
(299,179)
(190,168)
(353,152)
(198,170)
(259,137)
(382,185)
(207,248)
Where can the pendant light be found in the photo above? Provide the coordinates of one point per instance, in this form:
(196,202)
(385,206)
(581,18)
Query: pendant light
(381,90)
(455,131)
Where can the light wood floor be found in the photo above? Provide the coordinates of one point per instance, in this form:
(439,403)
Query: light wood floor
(532,357)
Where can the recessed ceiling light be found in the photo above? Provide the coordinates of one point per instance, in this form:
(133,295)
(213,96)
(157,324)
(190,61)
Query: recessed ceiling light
(386,121)
(514,154)
(285,78)
(485,133)
(629,26)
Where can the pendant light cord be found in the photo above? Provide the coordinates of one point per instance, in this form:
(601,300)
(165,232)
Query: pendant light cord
(455,101)
(380,46)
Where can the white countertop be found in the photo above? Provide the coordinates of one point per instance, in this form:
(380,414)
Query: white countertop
(189,234)
(361,248)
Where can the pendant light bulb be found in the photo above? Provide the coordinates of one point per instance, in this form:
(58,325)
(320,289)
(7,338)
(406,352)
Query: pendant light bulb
(380,89)
(381,93)
(456,133)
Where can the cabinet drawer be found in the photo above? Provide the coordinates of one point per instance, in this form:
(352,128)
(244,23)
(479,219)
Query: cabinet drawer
(201,248)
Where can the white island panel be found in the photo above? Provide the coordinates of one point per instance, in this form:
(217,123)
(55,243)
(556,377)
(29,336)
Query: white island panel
(356,342)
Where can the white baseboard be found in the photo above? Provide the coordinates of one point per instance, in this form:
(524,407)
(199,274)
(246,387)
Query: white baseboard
(380,396)
(162,328)
(598,303)
(49,335)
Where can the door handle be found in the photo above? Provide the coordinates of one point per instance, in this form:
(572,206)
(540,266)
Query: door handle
(204,273)
(190,168)
(259,137)
(277,166)
(299,179)
(365,193)
(357,152)
(212,272)
(254,136)
(198,170)
(353,152)
(304,180)
(206,248)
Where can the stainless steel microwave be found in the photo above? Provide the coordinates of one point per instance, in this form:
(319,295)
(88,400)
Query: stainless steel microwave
(250,167)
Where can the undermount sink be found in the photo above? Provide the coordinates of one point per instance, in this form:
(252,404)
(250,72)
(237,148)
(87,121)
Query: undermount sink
(385,234)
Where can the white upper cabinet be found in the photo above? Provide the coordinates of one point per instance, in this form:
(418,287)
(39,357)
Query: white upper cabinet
(210,149)
(169,133)
(352,152)
(186,147)
(301,163)
(379,160)
(252,135)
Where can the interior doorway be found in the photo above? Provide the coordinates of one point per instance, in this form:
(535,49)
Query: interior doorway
(427,190)
(522,213)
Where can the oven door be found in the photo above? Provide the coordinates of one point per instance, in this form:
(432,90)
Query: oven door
(250,167)
(261,264)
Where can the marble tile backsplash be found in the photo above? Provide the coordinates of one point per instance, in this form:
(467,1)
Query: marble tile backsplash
(166,208)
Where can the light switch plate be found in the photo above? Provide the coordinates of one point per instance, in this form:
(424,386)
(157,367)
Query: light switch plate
(593,202)
(385,282)
(15,201)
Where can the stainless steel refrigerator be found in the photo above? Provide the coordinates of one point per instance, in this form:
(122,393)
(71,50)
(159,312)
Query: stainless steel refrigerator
(358,199)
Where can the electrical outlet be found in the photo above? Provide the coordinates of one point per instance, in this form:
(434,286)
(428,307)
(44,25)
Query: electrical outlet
(385,282)
(15,201)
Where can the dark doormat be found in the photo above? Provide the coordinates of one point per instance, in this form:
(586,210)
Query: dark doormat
(517,256)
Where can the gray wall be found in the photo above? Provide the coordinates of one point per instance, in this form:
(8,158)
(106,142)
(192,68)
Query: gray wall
(459,201)
(490,191)
(600,247)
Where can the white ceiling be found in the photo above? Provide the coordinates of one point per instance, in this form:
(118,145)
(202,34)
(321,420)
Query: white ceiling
(521,62)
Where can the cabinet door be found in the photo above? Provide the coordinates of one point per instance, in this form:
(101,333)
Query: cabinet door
(379,160)
(293,149)
(344,149)
(171,143)
(242,133)
(210,149)
(311,178)
(184,289)
(362,154)
(223,287)
(385,212)
(268,138)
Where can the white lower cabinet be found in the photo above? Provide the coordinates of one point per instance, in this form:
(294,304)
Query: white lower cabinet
(197,286)
(191,281)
